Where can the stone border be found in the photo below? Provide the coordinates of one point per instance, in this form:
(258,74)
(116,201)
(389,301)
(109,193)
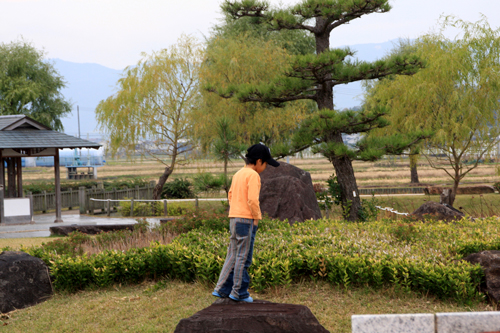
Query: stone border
(453,322)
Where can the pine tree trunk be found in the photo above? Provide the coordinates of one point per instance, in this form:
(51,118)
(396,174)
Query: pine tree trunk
(413,168)
(226,188)
(351,202)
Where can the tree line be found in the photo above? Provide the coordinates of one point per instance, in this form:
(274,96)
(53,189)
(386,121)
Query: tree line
(266,74)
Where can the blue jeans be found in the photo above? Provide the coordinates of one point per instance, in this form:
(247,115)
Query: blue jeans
(224,288)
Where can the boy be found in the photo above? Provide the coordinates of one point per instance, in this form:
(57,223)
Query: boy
(244,216)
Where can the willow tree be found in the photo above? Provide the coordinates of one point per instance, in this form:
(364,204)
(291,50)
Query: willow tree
(373,99)
(150,112)
(313,76)
(236,51)
(244,59)
(456,96)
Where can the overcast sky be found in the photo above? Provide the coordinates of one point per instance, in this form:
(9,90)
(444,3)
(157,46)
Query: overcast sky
(113,33)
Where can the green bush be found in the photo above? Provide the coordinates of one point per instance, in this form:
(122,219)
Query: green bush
(377,254)
(208,183)
(37,188)
(177,189)
(154,208)
(214,221)
(70,245)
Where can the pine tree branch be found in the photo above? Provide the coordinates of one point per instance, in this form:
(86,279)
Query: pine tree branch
(239,9)
(370,6)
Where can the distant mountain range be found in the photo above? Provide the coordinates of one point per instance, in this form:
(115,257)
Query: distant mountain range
(88,84)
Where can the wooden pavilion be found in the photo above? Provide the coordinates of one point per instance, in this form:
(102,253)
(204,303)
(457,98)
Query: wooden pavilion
(21,136)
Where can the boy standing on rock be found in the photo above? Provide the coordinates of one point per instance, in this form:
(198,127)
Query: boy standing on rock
(244,215)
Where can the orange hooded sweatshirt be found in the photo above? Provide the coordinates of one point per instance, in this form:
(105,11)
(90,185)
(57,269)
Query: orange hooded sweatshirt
(243,196)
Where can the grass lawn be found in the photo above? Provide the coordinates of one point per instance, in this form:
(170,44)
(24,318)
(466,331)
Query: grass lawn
(16,243)
(158,307)
(475,205)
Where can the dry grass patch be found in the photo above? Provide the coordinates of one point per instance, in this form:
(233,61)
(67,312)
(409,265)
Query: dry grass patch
(133,240)
(151,307)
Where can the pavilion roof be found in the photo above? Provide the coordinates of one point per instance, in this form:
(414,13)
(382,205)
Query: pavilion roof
(22,132)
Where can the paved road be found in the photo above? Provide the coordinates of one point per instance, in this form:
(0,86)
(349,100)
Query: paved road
(43,222)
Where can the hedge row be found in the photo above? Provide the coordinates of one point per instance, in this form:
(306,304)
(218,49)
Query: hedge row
(345,254)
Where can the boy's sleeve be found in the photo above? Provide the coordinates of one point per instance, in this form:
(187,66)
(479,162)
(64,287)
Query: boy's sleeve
(253,196)
(230,195)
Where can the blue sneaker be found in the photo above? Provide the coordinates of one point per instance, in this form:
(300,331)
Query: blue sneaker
(216,294)
(248,299)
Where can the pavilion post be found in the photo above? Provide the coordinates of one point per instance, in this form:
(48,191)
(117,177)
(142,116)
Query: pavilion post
(20,193)
(2,213)
(57,175)
(2,172)
(11,177)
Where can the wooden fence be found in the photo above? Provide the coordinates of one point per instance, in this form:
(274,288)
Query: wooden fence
(71,199)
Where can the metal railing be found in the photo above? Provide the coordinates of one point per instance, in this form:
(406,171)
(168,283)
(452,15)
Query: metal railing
(392,190)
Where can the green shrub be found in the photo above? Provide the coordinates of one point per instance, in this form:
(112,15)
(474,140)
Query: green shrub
(421,257)
(6,248)
(199,220)
(208,183)
(177,189)
(154,208)
(70,245)
(37,188)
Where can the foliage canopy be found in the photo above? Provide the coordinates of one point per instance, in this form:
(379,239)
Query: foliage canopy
(456,96)
(30,85)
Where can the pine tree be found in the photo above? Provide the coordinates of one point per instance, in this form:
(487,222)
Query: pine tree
(313,76)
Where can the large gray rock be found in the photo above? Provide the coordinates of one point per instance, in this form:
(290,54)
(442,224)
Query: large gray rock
(24,281)
(227,316)
(436,211)
(287,193)
(490,262)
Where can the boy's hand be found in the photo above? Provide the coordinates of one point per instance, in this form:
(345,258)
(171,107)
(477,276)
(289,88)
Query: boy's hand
(255,222)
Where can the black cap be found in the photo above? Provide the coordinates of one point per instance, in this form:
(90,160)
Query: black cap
(260,151)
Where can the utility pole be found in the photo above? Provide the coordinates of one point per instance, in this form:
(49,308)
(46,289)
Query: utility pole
(78,114)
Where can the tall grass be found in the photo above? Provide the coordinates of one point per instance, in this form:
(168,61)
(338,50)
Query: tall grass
(142,236)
